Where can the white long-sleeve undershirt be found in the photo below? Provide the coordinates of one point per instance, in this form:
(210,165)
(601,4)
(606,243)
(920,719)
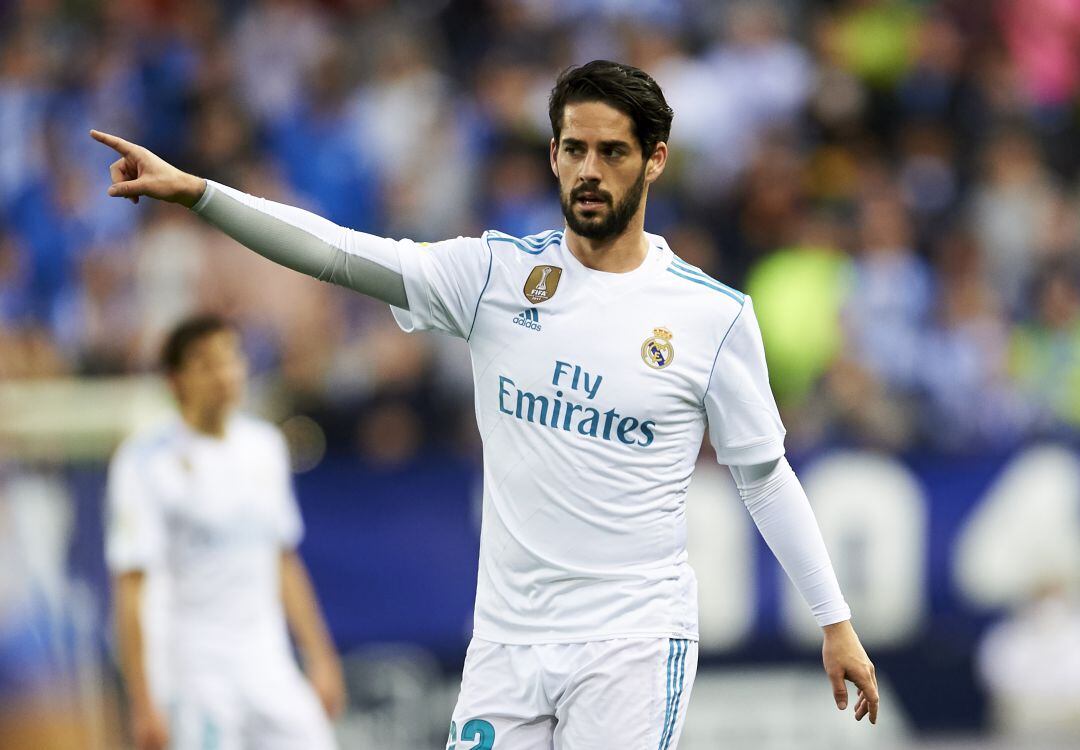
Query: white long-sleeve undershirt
(780,509)
(307,243)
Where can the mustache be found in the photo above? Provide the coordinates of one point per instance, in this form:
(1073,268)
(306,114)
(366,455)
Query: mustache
(581,190)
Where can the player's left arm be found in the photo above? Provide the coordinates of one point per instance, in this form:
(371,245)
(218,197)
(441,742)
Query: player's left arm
(780,509)
(306,623)
(748,435)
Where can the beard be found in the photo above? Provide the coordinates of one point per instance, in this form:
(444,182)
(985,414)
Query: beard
(612,222)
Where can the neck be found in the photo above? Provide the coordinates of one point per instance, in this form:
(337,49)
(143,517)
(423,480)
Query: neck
(619,254)
(205,421)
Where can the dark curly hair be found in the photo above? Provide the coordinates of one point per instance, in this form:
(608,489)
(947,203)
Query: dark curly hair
(624,87)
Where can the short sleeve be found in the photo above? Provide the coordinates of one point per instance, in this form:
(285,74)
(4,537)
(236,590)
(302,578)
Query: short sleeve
(443,282)
(135,527)
(744,424)
(289,525)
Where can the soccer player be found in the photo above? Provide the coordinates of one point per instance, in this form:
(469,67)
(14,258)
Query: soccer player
(600,359)
(204,505)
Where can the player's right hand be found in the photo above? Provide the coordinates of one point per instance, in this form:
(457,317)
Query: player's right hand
(149,730)
(140,172)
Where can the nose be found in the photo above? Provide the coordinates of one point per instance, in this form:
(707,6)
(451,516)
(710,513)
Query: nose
(590,168)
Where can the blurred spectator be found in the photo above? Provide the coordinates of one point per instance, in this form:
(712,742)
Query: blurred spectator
(16,300)
(223,137)
(95,323)
(757,77)
(876,38)
(1012,209)
(1045,351)
(798,294)
(928,179)
(970,403)
(890,296)
(1044,39)
(24,84)
(511,103)
(406,121)
(933,89)
(47,221)
(277,43)
(315,142)
(771,197)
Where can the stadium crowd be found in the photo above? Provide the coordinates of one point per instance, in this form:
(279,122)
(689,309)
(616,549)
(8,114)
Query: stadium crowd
(894,182)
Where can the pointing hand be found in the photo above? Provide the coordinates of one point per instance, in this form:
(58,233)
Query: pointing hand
(140,172)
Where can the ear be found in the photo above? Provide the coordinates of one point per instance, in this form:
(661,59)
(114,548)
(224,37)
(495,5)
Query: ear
(553,152)
(654,167)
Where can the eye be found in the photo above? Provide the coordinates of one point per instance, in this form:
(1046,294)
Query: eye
(572,148)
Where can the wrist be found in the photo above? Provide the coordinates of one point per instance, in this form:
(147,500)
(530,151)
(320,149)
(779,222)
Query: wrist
(194,188)
(837,628)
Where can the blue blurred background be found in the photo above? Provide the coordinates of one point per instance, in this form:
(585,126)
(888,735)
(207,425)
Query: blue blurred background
(895,183)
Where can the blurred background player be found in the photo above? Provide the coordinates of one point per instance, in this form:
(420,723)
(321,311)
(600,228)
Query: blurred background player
(205,505)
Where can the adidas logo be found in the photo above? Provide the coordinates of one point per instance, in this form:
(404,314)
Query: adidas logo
(529,318)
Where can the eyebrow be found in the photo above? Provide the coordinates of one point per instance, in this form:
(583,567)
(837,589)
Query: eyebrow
(608,144)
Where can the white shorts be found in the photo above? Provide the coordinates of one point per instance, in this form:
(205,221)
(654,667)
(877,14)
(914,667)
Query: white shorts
(628,693)
(273,709)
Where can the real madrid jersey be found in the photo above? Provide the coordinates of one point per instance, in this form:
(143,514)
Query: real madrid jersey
(593,391)
(210,515)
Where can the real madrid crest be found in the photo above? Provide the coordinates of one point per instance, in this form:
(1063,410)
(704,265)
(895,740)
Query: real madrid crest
(542,283)
(657,351)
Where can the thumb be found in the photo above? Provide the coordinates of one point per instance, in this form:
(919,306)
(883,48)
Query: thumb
(128,189)
(840,692)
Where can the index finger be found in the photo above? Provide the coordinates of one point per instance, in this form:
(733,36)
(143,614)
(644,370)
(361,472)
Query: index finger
(123,147)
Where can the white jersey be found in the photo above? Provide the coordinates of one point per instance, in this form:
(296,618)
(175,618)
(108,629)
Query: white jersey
(212,516)
(593,391)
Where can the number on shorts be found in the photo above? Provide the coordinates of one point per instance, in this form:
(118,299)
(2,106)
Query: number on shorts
(478,731)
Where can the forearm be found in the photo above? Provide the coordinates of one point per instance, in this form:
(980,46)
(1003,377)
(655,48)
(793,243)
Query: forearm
(307,243)
(302,611)
(782,513)
(129,633)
